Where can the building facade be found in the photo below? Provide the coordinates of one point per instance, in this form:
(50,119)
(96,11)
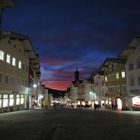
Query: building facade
(99,87)
(115,82)
(132,54)
(14,71)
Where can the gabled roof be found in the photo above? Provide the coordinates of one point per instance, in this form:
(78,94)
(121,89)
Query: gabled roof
(131,46)
(108,60)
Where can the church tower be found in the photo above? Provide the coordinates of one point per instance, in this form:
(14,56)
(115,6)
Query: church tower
(76,75)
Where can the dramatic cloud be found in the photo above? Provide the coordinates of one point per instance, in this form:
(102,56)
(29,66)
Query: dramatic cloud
(70,33)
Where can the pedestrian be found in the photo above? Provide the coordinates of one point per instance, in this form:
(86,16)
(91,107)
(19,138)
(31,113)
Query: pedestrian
(95,106)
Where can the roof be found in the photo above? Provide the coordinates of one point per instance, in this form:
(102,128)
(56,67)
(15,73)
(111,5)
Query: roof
(132,46)
(108,60)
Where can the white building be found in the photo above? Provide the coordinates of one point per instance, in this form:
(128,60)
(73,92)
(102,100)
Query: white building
(89,92)
(73,95)
(15,71)
(99,87)
(132,53)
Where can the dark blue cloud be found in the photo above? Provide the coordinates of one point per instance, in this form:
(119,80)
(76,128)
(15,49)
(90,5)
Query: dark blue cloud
(67,33)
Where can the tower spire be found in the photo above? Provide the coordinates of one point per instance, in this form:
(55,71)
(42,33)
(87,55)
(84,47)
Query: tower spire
(76,75)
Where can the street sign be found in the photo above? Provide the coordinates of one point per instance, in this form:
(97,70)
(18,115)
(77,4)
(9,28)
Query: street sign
(6,3)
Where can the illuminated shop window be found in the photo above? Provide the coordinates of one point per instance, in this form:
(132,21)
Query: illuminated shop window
(106,78)
(19,64)
(8,58)
(136,101)
(17,100)
(22,99)
(123,74)
(0,100)
(1,55)
(117,75)
(11,101)
(5,100)
(14,61)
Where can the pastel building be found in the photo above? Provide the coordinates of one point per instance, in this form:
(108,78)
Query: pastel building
(99,87)
(16,56)
(132,54)
(115,82)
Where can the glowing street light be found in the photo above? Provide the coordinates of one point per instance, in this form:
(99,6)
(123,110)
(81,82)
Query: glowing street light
(34,85)
(92,95)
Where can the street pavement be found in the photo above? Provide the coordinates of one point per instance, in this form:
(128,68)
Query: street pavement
(70,124)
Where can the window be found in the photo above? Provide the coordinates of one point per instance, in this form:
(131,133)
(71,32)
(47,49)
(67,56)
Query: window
(138,80)
(117,88)
(6,79)
(123,74)
(22,99)
(23,66)
(0,100)
(102,82)
(0,78)
(117,75)
(132,81)
(131,67)
(138,64)
(1,55)
(19,64)
(17,100)
(8,58)
(26,68)
(9,42)
(106,78)
(11,102)
(124,88)
(110,67)
(115,66)
(5,100)
(12,80)
(14,61)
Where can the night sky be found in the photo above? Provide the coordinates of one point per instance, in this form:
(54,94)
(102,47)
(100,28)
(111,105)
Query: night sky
(70,33)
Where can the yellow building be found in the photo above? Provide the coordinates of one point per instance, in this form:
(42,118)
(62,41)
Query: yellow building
(115,82)
(15,73)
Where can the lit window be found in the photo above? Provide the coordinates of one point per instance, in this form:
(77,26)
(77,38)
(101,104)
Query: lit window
(8,58)
(1,55)
(123,74)
(5,100)
(11,102)
(14,61)
(106,78)
(17,100)
(117,75)
(22,99)
(19,64)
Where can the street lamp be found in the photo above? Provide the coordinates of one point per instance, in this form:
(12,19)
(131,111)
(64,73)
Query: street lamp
(34,85)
